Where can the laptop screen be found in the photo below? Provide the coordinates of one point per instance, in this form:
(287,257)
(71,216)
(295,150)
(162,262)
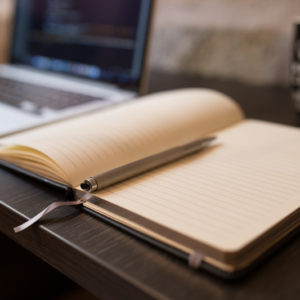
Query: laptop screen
(97,39)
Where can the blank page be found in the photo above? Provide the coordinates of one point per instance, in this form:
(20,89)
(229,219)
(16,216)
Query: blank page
(225,196)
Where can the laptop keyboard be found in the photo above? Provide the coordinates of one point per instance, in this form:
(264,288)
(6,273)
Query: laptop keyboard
(34,98)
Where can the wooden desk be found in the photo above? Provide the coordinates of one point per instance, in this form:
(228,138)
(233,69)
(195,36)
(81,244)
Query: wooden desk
(112,264)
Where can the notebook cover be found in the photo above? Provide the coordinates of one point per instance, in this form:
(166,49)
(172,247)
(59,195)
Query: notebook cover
(57,185)
(236,275)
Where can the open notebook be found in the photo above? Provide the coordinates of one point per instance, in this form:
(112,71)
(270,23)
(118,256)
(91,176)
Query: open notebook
(223,207)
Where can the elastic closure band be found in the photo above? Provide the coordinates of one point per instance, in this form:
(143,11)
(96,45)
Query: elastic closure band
(195,259)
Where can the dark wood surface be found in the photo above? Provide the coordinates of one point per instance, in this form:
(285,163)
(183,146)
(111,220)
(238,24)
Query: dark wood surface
(114,265)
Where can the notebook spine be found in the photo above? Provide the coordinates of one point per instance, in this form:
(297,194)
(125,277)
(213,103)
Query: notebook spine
(68,191)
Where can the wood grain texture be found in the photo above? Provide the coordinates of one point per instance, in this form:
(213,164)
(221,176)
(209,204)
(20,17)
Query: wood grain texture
(114,265)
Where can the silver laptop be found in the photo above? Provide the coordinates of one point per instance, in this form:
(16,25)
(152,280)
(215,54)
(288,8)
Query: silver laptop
(71,56)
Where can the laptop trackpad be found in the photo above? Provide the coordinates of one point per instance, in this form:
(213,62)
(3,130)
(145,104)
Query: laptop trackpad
(12,119)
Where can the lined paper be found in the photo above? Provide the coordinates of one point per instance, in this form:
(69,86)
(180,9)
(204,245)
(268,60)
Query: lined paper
(85,146)
(227,196)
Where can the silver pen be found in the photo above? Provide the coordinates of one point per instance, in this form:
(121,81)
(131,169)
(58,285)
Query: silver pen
(143,165)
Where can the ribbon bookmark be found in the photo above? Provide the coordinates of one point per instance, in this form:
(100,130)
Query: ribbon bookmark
(48,209)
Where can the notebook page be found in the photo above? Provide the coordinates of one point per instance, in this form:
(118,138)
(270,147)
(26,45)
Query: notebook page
(227,196)
(95,143)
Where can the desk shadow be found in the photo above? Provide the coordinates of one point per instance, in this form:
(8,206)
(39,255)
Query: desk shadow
(24,276)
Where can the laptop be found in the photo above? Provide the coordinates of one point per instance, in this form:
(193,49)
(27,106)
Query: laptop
(70,57)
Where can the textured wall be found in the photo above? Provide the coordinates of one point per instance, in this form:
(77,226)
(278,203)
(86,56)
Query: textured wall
(6,11)
(247,40)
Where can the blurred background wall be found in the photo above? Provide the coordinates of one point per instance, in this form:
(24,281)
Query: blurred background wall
(244,40)
(6,12)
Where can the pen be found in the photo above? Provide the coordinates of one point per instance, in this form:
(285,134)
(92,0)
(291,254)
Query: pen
(143,165)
